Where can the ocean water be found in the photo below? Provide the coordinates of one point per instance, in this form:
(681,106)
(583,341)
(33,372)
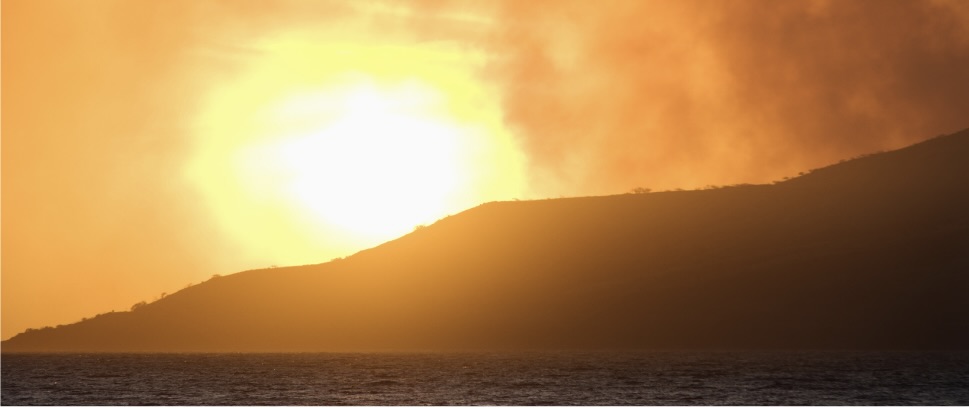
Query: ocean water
(642,378)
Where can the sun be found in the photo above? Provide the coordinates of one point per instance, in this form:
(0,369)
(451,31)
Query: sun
(383,164)
(322,149)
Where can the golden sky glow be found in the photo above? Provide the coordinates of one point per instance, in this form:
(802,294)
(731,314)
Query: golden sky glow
(321,147)
(147,145)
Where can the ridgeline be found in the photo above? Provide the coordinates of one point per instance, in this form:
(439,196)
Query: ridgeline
(870,253)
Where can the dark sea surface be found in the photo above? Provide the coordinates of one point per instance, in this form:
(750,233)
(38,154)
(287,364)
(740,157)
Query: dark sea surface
(646,378)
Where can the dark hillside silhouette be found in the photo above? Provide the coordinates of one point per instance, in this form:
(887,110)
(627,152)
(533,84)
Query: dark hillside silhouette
(868,253)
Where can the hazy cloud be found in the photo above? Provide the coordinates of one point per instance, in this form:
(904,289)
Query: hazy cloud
(666,94)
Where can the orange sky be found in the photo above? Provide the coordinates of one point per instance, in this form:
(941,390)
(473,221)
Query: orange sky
(122,120)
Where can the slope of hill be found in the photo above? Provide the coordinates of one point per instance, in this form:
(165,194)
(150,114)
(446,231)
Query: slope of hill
(869,253)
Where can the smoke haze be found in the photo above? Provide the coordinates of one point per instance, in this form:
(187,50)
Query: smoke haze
(684,94)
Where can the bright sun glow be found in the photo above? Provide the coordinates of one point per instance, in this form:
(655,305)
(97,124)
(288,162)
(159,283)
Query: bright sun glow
(380,167)
(319,151)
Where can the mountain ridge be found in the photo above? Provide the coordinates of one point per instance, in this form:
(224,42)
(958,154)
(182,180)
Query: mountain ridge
(872,252)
